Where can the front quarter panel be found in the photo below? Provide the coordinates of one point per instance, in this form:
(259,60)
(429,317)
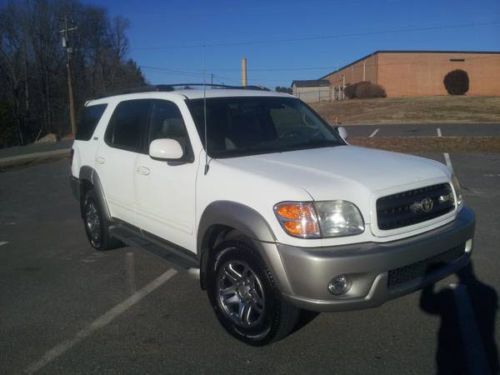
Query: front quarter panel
(238,216)
(224,183)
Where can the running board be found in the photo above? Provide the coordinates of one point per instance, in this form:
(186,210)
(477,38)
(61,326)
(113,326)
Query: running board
(180,258)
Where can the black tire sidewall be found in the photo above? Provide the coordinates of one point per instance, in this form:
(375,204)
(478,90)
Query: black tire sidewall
(91,197)
(266,330)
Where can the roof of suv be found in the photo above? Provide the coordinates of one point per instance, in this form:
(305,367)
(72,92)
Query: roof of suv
(218,93)
(194,94)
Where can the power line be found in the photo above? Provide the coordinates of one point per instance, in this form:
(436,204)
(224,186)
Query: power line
(256,79)
(178,71)
(197,74)
(282,69)
(321,37)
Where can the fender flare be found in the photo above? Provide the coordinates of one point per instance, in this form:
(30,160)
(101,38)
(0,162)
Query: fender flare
(89,174)
(250,223)
(235,215)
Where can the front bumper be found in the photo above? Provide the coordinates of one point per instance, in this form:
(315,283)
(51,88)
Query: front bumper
(378,271)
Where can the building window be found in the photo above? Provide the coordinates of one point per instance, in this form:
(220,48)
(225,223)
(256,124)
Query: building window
(457,60)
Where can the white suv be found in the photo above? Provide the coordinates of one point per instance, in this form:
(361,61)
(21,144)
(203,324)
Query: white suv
(273,206)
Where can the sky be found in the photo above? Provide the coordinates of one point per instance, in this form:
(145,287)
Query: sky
(177,41)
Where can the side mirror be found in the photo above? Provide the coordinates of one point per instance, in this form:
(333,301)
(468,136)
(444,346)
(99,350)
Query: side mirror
(342,132)
(166,149)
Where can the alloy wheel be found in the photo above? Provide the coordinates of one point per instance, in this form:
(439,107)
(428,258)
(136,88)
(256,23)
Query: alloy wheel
(240,294)
(93,223)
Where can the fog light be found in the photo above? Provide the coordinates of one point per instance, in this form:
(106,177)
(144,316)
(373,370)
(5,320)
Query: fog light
(468,245)
(339,285)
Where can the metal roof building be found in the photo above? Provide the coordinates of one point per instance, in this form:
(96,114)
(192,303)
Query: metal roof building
(312,91)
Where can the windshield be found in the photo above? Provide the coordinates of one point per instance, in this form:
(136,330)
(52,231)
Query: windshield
(239,126)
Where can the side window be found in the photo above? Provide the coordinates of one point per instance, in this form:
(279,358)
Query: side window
(128,125)
(88,121)
(167,122)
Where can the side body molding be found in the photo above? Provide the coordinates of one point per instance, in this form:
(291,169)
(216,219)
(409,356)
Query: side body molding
(89,174)
(248,222)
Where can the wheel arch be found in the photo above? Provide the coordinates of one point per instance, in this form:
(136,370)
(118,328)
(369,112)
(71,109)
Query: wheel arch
(228,214)
(89,179)
(222,217)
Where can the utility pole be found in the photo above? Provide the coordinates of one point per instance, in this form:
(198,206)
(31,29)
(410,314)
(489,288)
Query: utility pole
(69,50)
(244,81)
(211,78)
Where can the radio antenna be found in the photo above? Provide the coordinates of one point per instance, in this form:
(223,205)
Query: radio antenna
(205,110)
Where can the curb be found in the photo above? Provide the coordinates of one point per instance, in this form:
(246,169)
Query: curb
(23,159)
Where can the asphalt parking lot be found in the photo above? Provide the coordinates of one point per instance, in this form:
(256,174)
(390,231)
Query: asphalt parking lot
(65,308)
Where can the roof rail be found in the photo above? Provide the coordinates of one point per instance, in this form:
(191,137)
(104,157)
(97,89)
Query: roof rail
(183,86)
(178,86)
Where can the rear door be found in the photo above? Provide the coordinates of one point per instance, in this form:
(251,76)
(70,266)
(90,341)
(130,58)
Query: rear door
(84,148)
(166,190)
(117,156)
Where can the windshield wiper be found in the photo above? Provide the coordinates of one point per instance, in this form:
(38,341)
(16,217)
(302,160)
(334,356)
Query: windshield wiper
(321,143)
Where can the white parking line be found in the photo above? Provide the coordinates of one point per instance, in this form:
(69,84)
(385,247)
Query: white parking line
(448,161)
(100,322)
(374,133)
(446,155)
(3,243)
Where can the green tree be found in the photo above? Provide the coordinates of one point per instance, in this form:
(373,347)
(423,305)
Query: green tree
(33,63)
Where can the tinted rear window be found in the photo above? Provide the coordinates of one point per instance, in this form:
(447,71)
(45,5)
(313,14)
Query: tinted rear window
(128,124)
(88,121)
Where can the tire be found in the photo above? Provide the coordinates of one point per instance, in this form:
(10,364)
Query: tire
(245,298)
(96,224)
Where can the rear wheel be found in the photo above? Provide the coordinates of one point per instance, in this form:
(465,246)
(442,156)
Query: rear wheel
(245,298)
(96,224)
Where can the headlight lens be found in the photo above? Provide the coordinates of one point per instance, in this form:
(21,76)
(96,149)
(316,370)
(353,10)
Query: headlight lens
(458,191)
(339,218)
(319,219)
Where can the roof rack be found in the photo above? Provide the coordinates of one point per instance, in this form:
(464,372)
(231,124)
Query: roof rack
(179,86)
(187,86)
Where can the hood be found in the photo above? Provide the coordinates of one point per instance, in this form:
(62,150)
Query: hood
(343,172)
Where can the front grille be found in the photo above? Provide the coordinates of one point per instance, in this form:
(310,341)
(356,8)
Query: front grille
(414,206)
(420,269)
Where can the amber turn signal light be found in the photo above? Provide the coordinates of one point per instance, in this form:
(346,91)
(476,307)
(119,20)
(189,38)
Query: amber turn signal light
(298,219)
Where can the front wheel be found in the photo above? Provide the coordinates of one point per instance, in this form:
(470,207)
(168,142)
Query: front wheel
(96,225)
(245,298)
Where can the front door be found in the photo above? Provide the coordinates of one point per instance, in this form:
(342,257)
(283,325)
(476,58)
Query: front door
(166,190)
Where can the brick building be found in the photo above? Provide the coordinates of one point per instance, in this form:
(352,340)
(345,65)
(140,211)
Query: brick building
(420,73)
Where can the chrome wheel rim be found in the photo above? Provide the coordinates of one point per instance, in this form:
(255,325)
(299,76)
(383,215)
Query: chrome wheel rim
(240,294)
(93,223)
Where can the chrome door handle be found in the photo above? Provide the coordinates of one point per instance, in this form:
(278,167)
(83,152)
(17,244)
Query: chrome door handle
(100,160)
(143,170)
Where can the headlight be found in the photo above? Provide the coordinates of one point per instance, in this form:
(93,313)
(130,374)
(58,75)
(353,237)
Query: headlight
(319,219)
(458,191)
(339,218)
